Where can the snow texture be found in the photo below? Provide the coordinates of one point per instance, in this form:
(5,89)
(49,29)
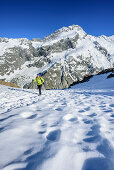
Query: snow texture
(70,129)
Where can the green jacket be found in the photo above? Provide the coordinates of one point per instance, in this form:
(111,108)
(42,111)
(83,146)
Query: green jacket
(39,80)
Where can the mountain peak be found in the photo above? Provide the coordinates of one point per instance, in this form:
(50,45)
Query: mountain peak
(69,28)
(66,32)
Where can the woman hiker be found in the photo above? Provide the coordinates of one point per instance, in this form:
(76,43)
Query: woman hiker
(39,81)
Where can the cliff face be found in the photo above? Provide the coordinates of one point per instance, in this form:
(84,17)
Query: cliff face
(64,57)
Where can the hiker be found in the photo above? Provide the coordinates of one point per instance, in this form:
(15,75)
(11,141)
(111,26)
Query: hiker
(39,81)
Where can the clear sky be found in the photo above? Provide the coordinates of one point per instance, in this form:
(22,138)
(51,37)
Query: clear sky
(39,18)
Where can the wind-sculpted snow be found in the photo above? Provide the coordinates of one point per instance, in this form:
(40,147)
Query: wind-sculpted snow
(62,129)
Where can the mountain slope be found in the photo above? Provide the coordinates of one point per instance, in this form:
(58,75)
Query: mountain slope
(64,57)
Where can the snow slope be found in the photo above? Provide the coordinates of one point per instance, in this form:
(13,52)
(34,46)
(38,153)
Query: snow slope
(6,44)
(70,129)
(96,82)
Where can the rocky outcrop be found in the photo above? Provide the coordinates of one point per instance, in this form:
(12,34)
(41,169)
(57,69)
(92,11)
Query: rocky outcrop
(110,76)
(9,84)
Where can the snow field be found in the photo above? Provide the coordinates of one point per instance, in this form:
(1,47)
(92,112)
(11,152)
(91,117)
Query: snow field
(62,129)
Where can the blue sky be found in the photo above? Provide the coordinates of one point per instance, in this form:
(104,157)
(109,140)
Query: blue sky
(39,18)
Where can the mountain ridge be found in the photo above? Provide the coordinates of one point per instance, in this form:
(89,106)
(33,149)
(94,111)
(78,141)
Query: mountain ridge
(63,57)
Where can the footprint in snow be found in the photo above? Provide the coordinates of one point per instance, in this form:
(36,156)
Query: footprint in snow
(108,111)
(81,111)
(56,123)
(42,132)
(92,115)
(94,134)
(73,119)
(44,125)
(87,108)
(54,135)
(111,105)
(86,121)
(99,163)
(32,116)
(112,115)
(59,109)
(94,130)
(92,139)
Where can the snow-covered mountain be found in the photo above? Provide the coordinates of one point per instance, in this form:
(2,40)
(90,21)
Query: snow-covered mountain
(64,57)
(71,129)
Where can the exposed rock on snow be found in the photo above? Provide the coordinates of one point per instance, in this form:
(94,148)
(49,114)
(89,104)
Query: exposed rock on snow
(8,84)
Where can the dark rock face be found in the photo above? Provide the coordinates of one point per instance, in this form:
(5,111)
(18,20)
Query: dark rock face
(15,57)
(110,76)
(63,58)
(13,60)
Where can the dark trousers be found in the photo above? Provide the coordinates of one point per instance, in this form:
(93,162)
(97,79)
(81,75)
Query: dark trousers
(39,87)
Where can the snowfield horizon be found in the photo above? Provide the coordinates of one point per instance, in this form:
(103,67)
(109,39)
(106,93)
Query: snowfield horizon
(69,129)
